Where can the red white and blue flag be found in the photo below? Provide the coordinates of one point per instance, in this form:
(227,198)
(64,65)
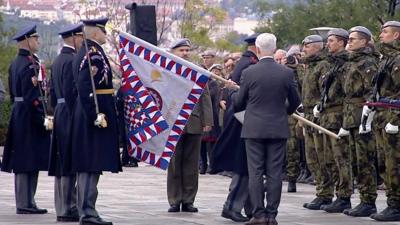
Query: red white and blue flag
(160,91)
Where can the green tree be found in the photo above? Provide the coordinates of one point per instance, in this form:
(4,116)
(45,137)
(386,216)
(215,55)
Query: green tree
(292,23)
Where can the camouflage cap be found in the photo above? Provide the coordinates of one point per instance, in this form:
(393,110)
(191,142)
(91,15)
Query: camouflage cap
(312,39)
(391,24)
(340,32)
(181,42)
(361,29)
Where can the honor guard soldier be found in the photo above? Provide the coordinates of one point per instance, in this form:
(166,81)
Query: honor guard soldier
(330,113)
(183,169)
(387,85)
(94,128)
(363,65)
(315,67)
(63,95)
(26,151)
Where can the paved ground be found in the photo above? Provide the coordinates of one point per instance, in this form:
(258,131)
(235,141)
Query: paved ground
(138,196)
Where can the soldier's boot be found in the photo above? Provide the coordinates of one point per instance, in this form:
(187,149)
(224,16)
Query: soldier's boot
(338,206)
(303,175)
(361,210)
(388,214)
(317,203)
(291,187)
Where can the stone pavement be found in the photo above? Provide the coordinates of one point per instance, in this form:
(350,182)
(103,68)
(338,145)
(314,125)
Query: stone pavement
(138,196)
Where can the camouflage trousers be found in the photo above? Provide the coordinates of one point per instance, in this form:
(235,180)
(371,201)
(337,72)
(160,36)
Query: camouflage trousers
(364,145)
(392,163)
(341,173)
(315,156)
(380,150)
(292,155)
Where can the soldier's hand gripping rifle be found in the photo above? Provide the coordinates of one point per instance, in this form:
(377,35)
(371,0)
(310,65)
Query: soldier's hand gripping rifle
(101,118)
(48,120)
(329,78)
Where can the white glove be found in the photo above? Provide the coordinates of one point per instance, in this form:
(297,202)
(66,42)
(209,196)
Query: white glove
(48,123)
(100,120)
(316,111)
(343,133)
(366,110)
(368,124)
(391,129)
(300,110)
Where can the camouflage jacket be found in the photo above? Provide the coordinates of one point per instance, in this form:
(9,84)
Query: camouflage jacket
(332,93)
(362,66)
(389,86)
(315,67)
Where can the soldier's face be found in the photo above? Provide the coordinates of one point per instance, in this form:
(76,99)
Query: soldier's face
(310,49)
(355,42)
(34,43)
(208,60)
(388,35)
(333,44)
(183,52)
(78,41)
(101,36)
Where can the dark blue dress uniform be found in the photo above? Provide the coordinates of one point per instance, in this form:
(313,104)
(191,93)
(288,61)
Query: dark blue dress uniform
(26,151)
(94,149)
(63,95)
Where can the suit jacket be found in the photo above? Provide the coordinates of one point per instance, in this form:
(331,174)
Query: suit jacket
(201,115)
(268,93)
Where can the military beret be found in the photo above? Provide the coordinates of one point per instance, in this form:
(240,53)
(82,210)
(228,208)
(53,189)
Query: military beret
(100,22)
(71,30)
(216,66)
(340,32)
(26,32)
(208,53)
(361,29)
(180,43)
(391,24)
(312,39)
(251,39)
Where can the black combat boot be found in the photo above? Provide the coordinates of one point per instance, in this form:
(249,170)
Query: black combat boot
(317,203)
(388,214)
(338,206)
(362,210)
(291,187)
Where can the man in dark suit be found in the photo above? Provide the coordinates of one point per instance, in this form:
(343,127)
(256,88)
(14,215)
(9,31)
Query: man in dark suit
(63,95)
(183,169)
(268,94)
(94,129)
(26,151)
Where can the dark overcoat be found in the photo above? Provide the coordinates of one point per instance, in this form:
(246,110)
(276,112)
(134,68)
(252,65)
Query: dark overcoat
(27,144)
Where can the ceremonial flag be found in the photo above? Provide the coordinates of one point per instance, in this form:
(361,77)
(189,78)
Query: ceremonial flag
(160,91)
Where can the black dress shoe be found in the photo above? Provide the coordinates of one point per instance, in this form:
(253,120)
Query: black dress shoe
(174,208)
(68,218)
(272,221)
(361,210)
(33,210)
(235,216)
(189,208)
(388,214)
(291,187)
(317,203)
(94,221)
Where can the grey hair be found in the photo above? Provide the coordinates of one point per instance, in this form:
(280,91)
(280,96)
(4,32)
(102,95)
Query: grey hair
(266,42)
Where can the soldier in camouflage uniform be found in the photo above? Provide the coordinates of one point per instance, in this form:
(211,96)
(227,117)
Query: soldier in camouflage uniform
(292,148)
(387,84)
(357,87)
(316,66)
(330,112)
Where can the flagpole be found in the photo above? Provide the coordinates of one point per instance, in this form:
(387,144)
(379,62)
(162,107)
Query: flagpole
(204,71)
